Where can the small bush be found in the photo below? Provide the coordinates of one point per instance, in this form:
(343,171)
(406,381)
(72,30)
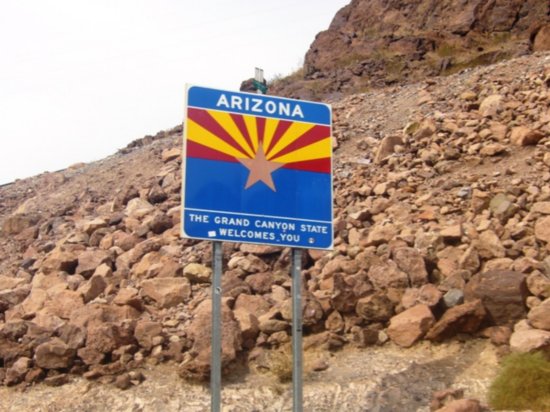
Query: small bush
(280,364)
(522,383)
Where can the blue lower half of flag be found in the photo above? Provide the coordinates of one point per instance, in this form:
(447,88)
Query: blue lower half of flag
(220,186)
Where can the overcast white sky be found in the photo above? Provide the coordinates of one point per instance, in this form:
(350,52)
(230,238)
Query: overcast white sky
(80,79)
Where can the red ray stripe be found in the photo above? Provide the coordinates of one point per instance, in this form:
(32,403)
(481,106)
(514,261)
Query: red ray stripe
(203,118)
(316,165)
(313,135)
(260,126)
(197,150)
(239,121)
(281,129)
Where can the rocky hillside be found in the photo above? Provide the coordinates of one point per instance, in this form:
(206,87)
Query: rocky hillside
(442,221)
(374,43)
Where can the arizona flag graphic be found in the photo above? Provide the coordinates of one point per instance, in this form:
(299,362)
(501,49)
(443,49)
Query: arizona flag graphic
(257,169)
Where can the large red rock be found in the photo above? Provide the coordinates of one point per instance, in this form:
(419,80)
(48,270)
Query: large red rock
(386,274)
(465,318)
(411,325)
(411,262)
(375,308)
(54,354)
(89,260)
(200,331)
(167,292)
(503,294)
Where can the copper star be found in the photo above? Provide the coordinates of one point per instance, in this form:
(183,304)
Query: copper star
(260,169)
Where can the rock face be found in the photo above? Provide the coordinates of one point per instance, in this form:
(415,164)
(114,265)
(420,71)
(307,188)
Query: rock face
(374,42)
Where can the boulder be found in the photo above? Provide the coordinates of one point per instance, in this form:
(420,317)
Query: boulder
(89,260)
(529,340)
(167,292)
(491,105)
(465,318)
(54,354)
(200,331)
(524,136)
(145,331)
(542,229)
(375,308)
(93,288)
(387,147)
(503,294)
(411,325)
(60,259)
(539,316)
(18,222)
(16,372)
(254,304)
(197,273)
(541,40)
(411,262)
(385,274)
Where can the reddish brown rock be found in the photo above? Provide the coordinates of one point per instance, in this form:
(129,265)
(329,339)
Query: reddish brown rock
(196,272)
(54,354)
(200,332)
(503,294)
(60,260)
(259,250)
(375,308)
(539,284)
(16,373)
(529,340)
(249,326)
(539,316)
(411,325)
(260,282)
(167,292)
(542,39)
(254,304)
(428,295)
(465,318)
(524,136)
(387,147)
(542,229)
(386,274)
(93,288)
(89,260)
(145,331)
(411,262)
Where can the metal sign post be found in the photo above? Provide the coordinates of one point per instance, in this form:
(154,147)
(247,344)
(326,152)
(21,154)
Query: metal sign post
(216,355)
(297,330)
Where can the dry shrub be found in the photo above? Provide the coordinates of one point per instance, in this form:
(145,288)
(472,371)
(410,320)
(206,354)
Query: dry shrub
(522,383)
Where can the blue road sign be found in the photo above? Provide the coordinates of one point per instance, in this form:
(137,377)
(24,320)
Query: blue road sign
(257,169)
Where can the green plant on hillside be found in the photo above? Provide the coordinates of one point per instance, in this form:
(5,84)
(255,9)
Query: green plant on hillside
(522,383)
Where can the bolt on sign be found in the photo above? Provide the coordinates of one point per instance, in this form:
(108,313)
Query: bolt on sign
(257,169)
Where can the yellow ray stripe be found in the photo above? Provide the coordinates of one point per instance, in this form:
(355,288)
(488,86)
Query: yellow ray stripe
(198,134)
(317,150)
(296,130)
(225,121)
(270,127)
(250,123)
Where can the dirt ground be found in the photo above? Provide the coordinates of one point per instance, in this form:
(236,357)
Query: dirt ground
(382,379)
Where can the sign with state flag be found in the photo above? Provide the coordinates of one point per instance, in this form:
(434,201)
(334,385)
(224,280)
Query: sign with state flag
(257,169)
